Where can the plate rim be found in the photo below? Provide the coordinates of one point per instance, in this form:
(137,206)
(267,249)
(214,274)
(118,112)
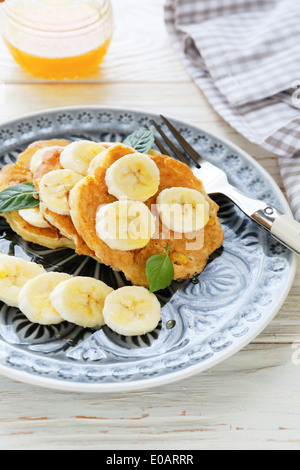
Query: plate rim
(76,387)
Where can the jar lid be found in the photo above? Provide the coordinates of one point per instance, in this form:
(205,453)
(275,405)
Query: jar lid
(56,15)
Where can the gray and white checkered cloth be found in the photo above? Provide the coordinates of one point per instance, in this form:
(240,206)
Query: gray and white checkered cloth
(244,55)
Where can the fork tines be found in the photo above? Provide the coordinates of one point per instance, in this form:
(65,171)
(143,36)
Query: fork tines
(194,156)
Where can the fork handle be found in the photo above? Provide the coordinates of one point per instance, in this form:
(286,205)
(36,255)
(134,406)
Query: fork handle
(283,227)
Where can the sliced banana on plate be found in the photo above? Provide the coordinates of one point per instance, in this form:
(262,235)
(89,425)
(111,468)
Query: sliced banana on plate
(96,162)
(183,210)
(39,155)
(54,189)
(125,225)
(80,300)
(134,176)
(34,217)
(78,155)
(132,311)
(34,298)
(14,274)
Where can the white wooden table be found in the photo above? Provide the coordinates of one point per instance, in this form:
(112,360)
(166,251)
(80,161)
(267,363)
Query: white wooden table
(250,401)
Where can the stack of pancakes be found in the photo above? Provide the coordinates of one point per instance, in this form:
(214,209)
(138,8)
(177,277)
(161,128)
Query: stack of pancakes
(20,172)
(78,230)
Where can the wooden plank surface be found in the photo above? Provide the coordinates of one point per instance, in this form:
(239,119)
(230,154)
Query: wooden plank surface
(249,401)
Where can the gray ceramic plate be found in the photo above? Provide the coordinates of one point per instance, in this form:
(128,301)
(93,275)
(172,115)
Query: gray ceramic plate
(203,322)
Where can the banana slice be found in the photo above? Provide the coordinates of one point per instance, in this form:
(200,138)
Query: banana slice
(80,300)
(77,156)
(183,210)
(132,311)
(34,298)
(125,225)
(96,162)
(153,153)
(39,156)
(54,189)
(14,274)
(134,176)
(34,217)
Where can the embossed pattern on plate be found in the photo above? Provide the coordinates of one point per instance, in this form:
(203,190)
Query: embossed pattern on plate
(203,322)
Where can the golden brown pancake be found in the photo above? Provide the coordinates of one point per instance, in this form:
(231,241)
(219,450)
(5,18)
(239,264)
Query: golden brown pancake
(63,223)
(19,172)
(92,191)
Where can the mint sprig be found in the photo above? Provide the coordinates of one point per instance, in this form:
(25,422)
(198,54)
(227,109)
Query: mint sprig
(20,196)
(159,271)
(141,140)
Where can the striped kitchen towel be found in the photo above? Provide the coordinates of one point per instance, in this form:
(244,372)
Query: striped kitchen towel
(244,55)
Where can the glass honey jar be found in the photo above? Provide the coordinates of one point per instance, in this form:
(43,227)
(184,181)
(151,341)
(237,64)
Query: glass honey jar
(57,39)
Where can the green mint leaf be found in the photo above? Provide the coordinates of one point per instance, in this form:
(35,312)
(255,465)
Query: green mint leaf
(20,196)
(159,272)
(141,140)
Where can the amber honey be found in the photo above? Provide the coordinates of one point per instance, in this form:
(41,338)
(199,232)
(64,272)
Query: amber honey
(60,68)
(61,39)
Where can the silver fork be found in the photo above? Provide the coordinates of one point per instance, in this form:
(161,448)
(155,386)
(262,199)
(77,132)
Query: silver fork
(281,226)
